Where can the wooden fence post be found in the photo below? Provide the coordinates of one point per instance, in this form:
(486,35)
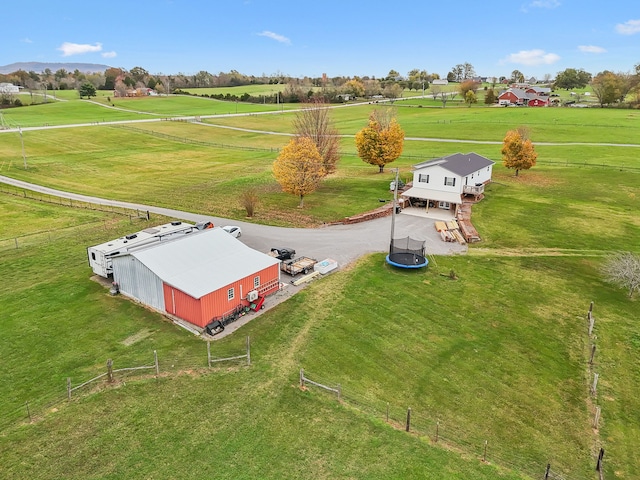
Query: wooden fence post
(546,472)
(593,353)
(28,411)
(339,392)
(155,359)
(209,353)
(484,455)
(592,322)
(437,430)
(69,388)
(596,418)
(248,350)
(594,387)
(110,370)
(301,378)
(599,462)
(408,419)
(591,306)
(387,412)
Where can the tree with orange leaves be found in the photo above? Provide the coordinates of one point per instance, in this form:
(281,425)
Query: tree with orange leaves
(381,141)
(299,168)
(518,152)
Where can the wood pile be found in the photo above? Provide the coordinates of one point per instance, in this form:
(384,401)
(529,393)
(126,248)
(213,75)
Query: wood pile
(450,231)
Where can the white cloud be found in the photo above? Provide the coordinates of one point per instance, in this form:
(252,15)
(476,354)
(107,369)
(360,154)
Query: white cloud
(69,49)
(276,37)
(549,4)
(26,40)
(629,27)
(545,4)
(109,54)
(532,58)
(591,49)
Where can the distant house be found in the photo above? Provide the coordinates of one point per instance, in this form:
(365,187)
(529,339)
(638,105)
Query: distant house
(197,278)
(9,88)
(443,182)
(440,81)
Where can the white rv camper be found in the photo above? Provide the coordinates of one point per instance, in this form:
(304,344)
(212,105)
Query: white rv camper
(100,255)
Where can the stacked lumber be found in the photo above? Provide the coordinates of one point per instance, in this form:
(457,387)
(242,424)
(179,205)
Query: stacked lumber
(450,231)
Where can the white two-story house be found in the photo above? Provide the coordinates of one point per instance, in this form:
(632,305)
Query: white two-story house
(443,182)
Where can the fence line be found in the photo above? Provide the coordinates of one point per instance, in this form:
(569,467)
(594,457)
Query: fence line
(36,408)
(439,432)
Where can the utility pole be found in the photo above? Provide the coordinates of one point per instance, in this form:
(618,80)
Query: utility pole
(393,212)
(24,157)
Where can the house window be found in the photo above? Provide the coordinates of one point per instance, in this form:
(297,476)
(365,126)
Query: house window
(231,294)
(93,255)
(422,178)
(487,169)
(450,181)
(444,205)
(256,282)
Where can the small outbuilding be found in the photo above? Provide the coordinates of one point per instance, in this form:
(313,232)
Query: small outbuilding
(205,276)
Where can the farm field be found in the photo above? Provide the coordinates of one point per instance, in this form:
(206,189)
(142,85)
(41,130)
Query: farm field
(498,355)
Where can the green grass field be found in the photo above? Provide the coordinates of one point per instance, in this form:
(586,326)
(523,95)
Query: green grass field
(499,355)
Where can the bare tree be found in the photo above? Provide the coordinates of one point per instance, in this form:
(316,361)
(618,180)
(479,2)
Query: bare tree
(314,121)
(435,91)
(623,269)
(444,97)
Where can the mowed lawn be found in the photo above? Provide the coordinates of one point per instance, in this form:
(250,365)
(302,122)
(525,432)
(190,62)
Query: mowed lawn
(499,355)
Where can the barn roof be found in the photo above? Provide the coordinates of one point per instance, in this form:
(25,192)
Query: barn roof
(459,163)
(204,262)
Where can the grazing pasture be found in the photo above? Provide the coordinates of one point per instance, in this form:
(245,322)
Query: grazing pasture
(498,355)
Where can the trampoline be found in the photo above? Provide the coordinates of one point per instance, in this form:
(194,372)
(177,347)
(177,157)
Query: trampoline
(404,252)
(407,253)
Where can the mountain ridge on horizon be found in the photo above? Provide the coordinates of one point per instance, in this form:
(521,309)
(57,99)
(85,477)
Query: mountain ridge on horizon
(40,67)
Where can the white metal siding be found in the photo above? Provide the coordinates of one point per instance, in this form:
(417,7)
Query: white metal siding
(137,281)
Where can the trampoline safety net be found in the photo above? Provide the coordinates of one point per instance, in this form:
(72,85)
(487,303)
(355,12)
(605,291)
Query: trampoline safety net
(407,245)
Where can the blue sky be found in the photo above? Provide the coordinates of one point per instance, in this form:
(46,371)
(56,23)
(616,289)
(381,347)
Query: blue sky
(296,38)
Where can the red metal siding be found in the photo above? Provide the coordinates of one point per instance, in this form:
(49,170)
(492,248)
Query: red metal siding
(182,305)
(216,304)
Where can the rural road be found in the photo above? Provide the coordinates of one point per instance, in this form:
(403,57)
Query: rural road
(343,243)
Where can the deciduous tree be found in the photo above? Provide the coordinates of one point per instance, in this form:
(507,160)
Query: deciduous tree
(623,269)
(572,78)
(518,152)
(470,98)
(315,122)
(608,87)
(382,140)
(298,168)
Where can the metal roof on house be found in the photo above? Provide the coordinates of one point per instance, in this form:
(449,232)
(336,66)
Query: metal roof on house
(203,262)
(459,163)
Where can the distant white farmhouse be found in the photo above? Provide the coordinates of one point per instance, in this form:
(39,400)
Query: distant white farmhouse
(9,88)
(440,81)
(443,182)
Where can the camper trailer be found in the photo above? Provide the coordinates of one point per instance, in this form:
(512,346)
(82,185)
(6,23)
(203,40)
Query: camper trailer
(99,256)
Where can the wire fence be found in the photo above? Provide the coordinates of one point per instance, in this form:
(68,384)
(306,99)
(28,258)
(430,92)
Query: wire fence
(38,408)
(64,233)
(440,432)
